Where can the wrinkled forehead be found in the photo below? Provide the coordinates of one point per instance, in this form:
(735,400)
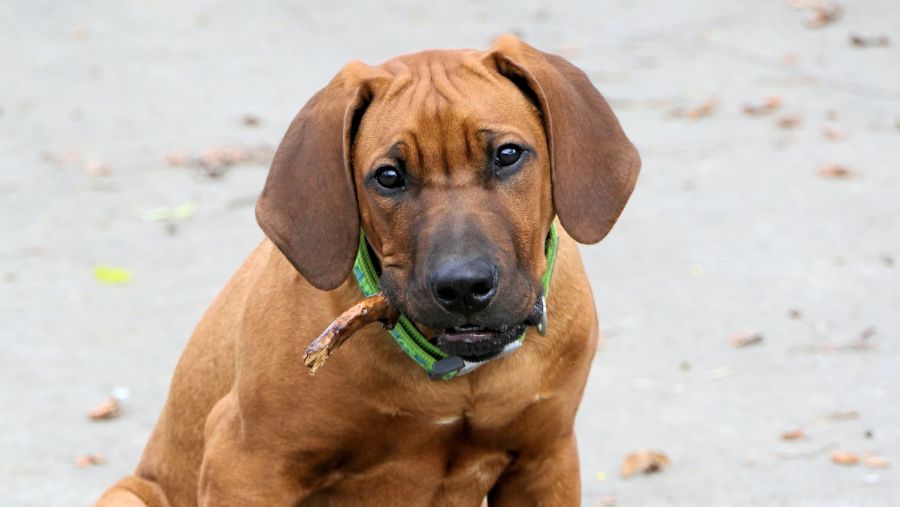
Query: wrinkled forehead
(443,105)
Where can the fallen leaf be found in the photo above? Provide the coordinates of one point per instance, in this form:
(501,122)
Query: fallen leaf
(109,409)
(868,332)
(794,313)
(835,171)
(844,458)
(834,133)
(875,461)
(844,416)
(112,276)
(770,105)
(96,168)
(870,42)
(178,158)
(643,461)
(718,373)
(745,339)
(793,435)
(608,501)
(89,460)
(179,212)
(823,13)
(250,120)
(789,121)
(701,110)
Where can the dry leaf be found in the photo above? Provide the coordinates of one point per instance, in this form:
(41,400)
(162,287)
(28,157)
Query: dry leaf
(835,171)
(109,409)
(844,416)
(250,120)
(770,105)
(789,121)
(608,501)
(793,435)
(745,339)
(178,158)
(834,133)
(702,110)
(96,168)
(875,461)
(794,313)
(643,461)
(870,42)
(823,13)
(89,460)
(844,458)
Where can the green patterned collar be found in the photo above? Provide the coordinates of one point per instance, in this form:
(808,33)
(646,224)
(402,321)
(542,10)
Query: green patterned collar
(434,361)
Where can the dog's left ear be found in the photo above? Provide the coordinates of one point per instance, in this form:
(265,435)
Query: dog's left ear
(593,164)
(308,205)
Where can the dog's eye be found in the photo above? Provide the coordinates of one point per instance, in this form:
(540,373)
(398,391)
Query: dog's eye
(388,177)
(507,155)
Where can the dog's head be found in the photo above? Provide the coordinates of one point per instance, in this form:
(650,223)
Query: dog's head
(455,164)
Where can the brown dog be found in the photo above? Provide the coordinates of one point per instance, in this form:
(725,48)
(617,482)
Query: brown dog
(454,164)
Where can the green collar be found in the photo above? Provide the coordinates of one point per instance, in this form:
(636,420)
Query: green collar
(434,361)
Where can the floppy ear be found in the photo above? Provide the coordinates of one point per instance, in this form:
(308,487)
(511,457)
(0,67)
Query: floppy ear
(308,205)
(593,164)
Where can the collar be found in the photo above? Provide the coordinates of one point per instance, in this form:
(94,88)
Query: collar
(433,360)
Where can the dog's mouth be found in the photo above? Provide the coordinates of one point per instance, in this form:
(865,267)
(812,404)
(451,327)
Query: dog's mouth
(477,343)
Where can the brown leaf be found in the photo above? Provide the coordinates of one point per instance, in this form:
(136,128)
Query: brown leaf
(834,133)
(178,158)
(844,458)
(770,105)
(795,313)
(745,339)
(109,409)
(823,13)
(96,168)
(701,110)
(875,461)
(89,460)
(794,435)
(835,171)
(643,461)
(250,120)
(870,42)
(789,121)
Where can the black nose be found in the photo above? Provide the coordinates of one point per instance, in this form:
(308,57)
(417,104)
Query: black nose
(464,286)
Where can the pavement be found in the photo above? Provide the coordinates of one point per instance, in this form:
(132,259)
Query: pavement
(732,229)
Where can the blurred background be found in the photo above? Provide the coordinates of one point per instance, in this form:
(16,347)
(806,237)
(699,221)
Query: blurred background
(749,296)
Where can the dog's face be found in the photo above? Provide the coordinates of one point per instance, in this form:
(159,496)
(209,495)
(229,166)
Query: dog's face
(452,177)
(454,163)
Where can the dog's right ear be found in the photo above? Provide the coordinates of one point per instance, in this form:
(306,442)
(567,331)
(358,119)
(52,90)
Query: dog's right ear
(308,205)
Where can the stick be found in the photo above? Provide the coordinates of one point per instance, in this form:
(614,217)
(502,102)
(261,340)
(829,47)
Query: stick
(367,311)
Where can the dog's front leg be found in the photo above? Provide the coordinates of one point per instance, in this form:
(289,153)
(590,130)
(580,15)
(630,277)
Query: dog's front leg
(235,473)
(547,477)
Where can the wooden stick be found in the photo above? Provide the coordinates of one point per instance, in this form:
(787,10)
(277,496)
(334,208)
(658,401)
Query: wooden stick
(367,311)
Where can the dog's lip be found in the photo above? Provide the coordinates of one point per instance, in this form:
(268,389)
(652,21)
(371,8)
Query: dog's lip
(468,334)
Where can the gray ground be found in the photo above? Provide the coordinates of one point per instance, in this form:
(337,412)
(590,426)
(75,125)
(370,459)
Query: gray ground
(729,230)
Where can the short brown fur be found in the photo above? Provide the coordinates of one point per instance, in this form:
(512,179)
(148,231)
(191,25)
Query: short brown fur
(245,424)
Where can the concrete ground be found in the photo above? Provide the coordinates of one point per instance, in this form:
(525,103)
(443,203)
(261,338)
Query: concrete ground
(731,229)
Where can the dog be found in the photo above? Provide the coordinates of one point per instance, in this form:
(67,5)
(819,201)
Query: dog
(457,167)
